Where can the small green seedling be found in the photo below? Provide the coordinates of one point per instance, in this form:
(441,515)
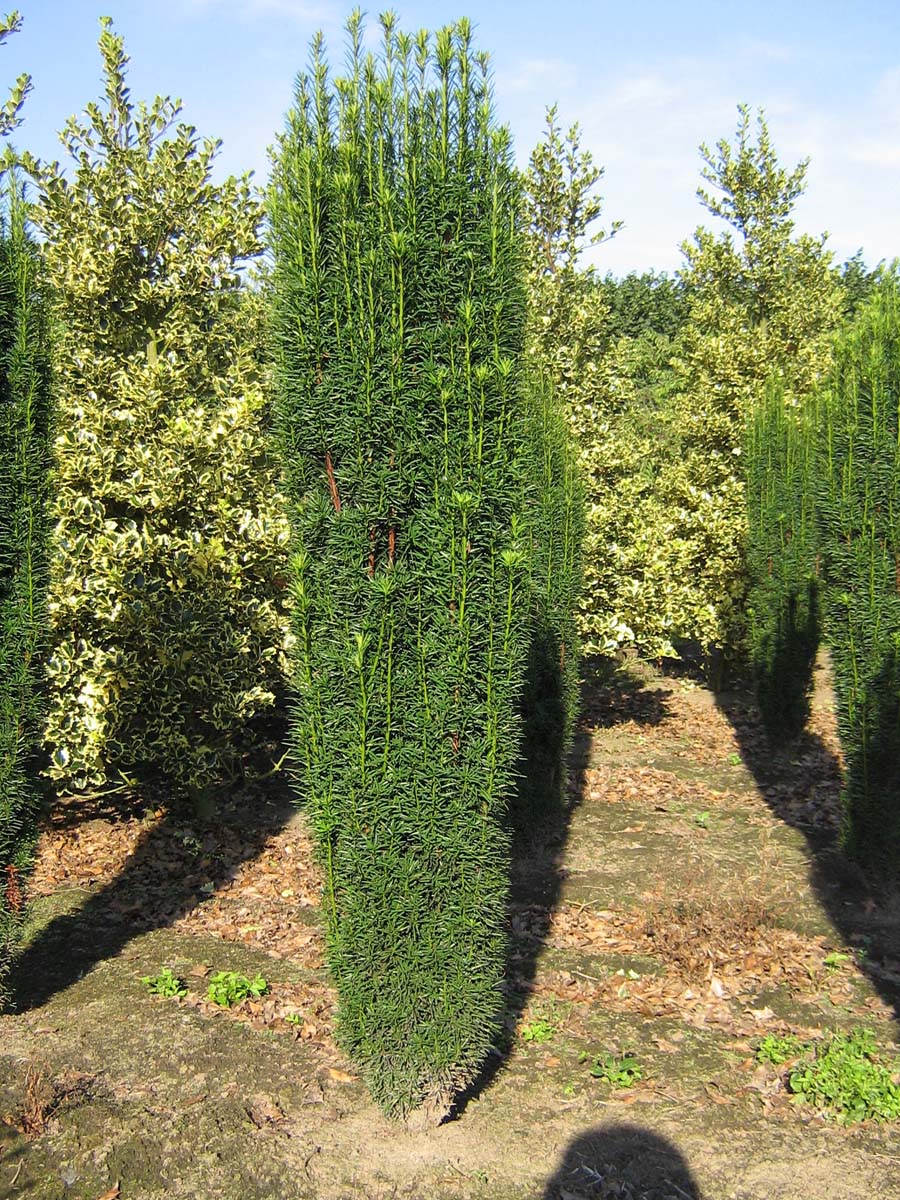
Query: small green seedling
(190,842)
(619,1070)
(834,960)
(228,987)
(777,1050)
(734,760)
(166,983)
(294,1019)
(702,819)
(538,1031)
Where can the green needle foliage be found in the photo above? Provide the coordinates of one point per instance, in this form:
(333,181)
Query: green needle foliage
(859,508)
(25,410)
(399,322)
(25,456)
(782,602)
(550,698)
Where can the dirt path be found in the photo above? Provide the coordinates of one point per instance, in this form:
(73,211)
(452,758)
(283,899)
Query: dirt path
(684,907)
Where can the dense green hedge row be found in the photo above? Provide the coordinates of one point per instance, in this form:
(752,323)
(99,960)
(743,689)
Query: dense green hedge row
(26,419)
(552,680)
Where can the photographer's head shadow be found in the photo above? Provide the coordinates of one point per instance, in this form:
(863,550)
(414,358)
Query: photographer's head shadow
(622,1162)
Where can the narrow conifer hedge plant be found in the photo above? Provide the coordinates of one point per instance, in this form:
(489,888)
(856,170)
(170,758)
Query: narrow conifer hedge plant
(859,512)
(25,456)
(398,317)
(782,601)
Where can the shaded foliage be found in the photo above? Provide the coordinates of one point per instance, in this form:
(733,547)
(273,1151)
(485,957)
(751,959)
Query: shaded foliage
(859,516)
(650,302)
(858,282)
(26,411)
(551,692)
(25,460)
(782,601)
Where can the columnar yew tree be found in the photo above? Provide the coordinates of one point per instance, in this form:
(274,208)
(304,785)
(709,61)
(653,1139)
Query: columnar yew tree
(859,513)
(782,603)
(25,415)
(399,314)
(168,624)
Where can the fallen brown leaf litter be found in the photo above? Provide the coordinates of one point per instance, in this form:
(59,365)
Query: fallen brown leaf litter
(676,719)
(709,962)
(151,870)
(651,787)
(305,1011)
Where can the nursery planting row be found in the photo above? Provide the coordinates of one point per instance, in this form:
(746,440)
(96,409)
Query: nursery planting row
(396,474)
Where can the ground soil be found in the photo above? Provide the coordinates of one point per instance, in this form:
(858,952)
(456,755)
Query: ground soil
(683,906)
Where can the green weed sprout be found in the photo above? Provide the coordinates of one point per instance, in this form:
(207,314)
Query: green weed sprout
(227,988)
(619,1070)
(778,1050)
(538,1031)
(165,983)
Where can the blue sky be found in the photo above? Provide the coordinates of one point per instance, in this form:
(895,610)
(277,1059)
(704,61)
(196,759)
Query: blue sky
(647,81)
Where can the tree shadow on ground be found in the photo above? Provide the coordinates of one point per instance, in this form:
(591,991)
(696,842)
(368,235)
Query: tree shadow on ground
(617,693)
(180,861)
(622,1162)
(801,783)
(539,826)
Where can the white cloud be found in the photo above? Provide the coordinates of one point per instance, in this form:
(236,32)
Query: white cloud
(876,152)
(543,75)
(648,90)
